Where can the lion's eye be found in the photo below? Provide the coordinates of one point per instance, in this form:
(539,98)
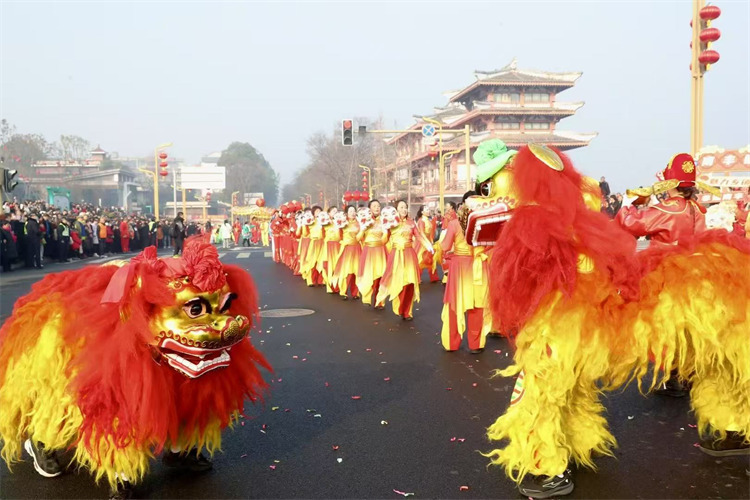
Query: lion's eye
(485,189)
(196,308)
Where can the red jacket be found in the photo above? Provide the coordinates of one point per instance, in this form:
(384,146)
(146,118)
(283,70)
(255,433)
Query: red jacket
(668,222)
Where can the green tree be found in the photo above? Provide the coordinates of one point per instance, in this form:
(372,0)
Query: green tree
(22,150)
(248,172)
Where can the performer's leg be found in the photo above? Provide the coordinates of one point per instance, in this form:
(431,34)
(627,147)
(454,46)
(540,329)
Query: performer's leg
(475,326)
(353,285)
(450,335)
(433,275)
(375,290)
(407,299)
(366,295)
(721,401)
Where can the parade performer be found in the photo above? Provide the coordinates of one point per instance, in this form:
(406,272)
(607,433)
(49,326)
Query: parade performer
(591,314)
(426,260)
(264,229)
(674,219)
(324,220)
(309,268)
(333,248)
(467,290)
(277,230)
(294,245)
(236,231)
(400,281)
(159,361)
(347,264)
(450,214)
(372,263)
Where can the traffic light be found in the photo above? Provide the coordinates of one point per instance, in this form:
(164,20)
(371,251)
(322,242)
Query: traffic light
(8,183)
(706,36)
(347,134)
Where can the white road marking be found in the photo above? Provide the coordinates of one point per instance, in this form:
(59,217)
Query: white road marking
(243,255)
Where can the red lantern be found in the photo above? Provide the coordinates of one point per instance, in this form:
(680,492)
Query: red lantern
(284,209)
(355,195)
(163,173)
(710,12)
(348,196)
(163,155)
(432,154)
(709,35)
(365,196)
(260,202)
(163,164)
(708,57)
(364,174)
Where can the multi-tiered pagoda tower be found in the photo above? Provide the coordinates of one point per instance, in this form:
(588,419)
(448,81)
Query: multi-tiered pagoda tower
(516,105)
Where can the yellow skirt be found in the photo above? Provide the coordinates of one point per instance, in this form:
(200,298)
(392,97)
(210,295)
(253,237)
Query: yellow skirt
(372,264)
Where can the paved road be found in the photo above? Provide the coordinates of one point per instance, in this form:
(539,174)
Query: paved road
(285,449)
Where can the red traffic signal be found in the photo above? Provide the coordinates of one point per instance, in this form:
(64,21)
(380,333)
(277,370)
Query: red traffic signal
(347,134)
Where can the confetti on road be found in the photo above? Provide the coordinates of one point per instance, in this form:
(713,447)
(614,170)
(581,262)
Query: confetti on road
(272,467)
(356,397)
(403,493)
(449,388)
(383,422)
(274,408)
(335,447)
(339,460)
(387,379)
(692,426)
(631,417)
(243,456)
(317,415)
(463,488)
(475,384)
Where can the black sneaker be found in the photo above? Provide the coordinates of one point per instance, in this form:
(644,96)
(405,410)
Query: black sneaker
(545,487)
(735,444)
(45,462)
(476,351)
(192,460)
(124,491)
(673,388)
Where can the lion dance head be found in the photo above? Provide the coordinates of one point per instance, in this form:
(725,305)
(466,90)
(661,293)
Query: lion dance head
(118,361)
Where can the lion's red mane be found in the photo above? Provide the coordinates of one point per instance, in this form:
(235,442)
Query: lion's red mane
(537,250)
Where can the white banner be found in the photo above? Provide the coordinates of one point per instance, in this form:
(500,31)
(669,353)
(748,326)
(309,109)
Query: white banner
(214,178)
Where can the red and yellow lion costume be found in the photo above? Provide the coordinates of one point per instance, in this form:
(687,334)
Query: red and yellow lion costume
(592,315)
(119,362)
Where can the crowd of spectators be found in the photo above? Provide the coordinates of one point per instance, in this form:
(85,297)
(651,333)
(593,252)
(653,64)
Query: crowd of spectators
(34,233)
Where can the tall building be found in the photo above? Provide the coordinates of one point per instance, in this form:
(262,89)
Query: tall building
(516,105)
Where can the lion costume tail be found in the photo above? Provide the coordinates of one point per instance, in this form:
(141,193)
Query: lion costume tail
(694,316)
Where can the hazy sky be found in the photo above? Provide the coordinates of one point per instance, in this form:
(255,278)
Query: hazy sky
(131,75)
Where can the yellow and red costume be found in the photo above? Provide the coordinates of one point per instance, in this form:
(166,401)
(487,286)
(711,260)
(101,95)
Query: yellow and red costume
(466,293)
(347,263)
(400,281)
(158,357)
(426,258)
(330,255)
(372,262)
(277,231)
(310,270)
(591,313)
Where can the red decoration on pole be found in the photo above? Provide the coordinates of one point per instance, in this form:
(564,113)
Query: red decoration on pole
(432,154)
(708,57)
(163,173)
(163,164)
(709,35)
(709,12)
(163,155)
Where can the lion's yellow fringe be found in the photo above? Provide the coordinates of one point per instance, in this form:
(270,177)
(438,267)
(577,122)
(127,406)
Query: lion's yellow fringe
(694,316)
